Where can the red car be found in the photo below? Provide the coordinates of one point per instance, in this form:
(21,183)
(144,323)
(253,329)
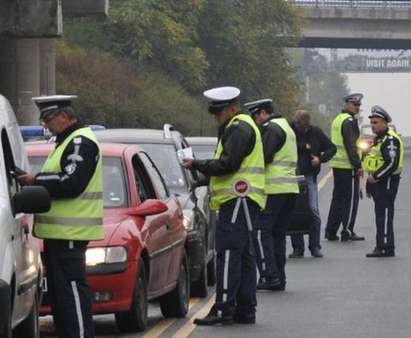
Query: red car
(143,255)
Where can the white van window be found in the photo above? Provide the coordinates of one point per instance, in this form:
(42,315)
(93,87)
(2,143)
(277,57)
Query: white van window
(10,166)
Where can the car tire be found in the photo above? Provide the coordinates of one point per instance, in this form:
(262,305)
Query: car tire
(176,302)
(211,271)
(29,328)
(135,319)
(199,288)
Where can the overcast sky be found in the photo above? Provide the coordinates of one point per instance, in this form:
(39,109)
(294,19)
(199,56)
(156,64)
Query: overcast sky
(392,91)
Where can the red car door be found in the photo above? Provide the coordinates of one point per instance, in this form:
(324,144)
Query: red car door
(176,231)
(155,228)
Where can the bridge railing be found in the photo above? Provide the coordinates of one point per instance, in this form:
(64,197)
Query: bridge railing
(352,3)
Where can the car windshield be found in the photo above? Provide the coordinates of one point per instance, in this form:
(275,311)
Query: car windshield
(114,183)
(165,158)
(203,151)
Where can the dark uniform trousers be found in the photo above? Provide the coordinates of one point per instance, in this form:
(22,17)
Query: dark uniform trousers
(264,246)
(278,211)
(68,291)
(236,265)
(344,204)
(384,193)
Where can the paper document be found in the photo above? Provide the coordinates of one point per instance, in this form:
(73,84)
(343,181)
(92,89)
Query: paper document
(186,153)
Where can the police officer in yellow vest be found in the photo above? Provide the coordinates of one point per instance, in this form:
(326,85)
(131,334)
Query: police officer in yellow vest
(238,162)
(72,174)
(384,164)
(347,170)
(280,157)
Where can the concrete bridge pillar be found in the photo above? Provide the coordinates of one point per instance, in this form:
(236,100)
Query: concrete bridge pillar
(47,66)
(20,74)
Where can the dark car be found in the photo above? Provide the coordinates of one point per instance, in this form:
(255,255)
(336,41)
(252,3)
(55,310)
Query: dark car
(162,146)
(204,149)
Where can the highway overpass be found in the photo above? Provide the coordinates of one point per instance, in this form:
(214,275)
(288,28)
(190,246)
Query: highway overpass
(355,24)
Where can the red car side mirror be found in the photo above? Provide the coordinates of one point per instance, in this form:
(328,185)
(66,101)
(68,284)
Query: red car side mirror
(149,207)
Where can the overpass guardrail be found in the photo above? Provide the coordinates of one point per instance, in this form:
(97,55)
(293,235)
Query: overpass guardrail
(352,3)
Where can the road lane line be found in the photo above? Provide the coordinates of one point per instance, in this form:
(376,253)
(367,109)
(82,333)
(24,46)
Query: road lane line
(324,180)
(157,330)
(189,327)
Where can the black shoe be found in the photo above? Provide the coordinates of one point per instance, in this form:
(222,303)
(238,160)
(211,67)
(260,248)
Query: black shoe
(355,237)
(317,253)
(270,284)
(213,318)
(331,236)
(345,236)
(389,254)
(244,318)
(297,253)
(279,287)
(376,253)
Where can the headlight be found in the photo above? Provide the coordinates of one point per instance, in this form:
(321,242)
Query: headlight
(95,256)
(188,223)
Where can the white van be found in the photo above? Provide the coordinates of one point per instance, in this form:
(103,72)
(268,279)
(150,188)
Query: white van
(20,263)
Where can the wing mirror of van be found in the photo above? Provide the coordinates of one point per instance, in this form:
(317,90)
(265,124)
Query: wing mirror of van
(31,200)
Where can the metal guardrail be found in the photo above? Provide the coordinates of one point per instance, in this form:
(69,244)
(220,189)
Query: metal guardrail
(352,3)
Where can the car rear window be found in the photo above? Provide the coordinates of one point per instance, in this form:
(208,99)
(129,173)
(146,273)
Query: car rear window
(114,182)
(203,151)
(165,158)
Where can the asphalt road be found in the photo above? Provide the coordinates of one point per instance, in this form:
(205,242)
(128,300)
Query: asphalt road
(341,295)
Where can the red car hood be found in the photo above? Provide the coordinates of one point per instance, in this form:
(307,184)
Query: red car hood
(111,222)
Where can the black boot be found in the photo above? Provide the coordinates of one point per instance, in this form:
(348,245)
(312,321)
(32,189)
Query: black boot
(345,236)
(316,252)
(355,237)
(297,253)
(376,253)
(331,236)
(270,284)
(244,318)
(213,318)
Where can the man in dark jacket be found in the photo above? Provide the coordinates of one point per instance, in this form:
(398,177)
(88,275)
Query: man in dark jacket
(314,148)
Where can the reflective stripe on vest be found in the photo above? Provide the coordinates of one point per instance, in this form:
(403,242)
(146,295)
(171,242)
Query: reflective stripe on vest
(79,218)
(251,170)
(281,173)
(340,159)
(374,160)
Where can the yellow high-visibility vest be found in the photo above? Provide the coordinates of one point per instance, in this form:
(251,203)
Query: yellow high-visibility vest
(340,159)
(281,173)
(251,170)
(374,160)
(79,218)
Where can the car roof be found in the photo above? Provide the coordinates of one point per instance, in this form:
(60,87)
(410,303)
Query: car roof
(134,136)
(108,149)
(199,140)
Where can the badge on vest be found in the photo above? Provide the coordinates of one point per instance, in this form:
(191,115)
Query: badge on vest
(241,187)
